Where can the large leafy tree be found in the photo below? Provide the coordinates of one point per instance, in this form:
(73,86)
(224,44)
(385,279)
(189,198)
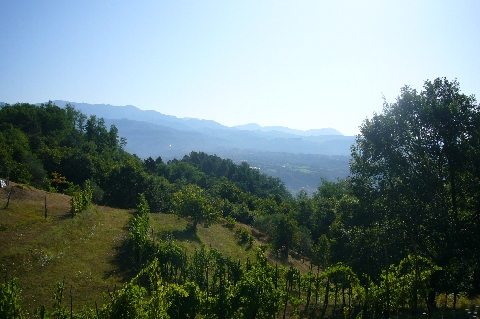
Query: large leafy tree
(194,202)
(414,170)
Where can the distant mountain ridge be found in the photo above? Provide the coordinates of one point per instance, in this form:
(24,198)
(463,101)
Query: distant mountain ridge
(283,129)
(316,154)
(131,112)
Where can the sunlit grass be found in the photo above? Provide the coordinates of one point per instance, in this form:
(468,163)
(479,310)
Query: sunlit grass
(84,251)
(215,236)
(41,252)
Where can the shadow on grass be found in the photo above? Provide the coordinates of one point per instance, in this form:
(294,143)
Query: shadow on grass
(62,216)
(187,234)
(124,260)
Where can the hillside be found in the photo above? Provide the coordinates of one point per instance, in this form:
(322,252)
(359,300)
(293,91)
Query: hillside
(43,251)
(87,252)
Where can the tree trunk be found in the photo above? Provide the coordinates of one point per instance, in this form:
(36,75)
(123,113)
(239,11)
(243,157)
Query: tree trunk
(430,301)
(317,285)
(325,301)
(335,300)
(286,300)
(454,301)
(309,292)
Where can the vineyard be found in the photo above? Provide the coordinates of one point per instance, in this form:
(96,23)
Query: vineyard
(160,277)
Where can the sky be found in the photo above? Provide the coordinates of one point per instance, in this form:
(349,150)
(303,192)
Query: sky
(300,64)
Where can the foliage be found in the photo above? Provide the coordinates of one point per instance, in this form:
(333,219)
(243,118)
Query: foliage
(256,294)
(402,286)
(230,222)
(184,300)
(284,235)
(82,199)
(243,177)
(192,201)
(412,171)
(139,231)
(244,237)
(127,303)
(10,306)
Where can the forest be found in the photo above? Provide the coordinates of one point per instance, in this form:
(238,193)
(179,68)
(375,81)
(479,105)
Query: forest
(398,238)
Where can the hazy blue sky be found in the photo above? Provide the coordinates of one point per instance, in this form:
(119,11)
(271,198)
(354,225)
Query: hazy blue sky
(302,64)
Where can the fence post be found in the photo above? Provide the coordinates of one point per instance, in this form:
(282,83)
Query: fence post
(45,207)
(8,198)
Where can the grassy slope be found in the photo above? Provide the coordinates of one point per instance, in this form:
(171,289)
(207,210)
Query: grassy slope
(83,251)
(216,236)
(42,252)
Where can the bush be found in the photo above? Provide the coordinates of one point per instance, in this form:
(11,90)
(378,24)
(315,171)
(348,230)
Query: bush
(82,199)
(244,237)
(128,302)
(230,222)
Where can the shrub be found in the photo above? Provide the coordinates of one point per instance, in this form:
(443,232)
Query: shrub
(81,199)
(230,222)
(244,237)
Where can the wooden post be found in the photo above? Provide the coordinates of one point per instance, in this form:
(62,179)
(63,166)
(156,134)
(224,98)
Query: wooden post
(8,197)
(45,207)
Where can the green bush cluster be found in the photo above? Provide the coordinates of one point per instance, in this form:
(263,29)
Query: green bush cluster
(244,237)
(82,199)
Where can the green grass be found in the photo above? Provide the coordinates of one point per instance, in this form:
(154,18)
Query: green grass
(41,252)
(85,251)
(216,236)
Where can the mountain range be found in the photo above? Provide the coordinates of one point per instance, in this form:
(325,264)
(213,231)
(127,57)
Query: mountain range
(300,158)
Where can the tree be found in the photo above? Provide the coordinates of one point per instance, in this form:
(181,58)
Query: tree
(412,170)
(192,201)
(285,235)
(124,183)
(256,294)
(304,208)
